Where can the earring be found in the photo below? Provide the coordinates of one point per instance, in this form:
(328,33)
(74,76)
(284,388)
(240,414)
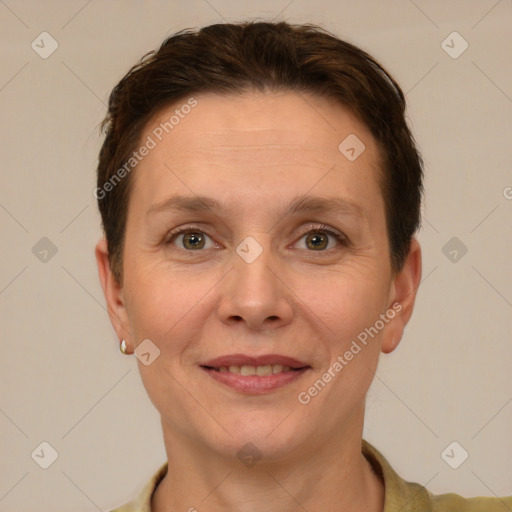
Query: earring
(123,347)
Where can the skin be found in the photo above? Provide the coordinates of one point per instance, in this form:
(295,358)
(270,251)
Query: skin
(254,153)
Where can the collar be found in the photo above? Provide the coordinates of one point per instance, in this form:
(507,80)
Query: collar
(399,494)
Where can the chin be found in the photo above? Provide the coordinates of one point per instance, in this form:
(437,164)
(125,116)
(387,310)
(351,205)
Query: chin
(260,435)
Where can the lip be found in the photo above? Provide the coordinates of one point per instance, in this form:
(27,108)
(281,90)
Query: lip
(244,360)
(255,384)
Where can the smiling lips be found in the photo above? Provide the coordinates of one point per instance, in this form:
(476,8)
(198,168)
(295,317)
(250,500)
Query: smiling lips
(255,374)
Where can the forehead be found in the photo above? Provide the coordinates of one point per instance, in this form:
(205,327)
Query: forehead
(255,142)
(249,119)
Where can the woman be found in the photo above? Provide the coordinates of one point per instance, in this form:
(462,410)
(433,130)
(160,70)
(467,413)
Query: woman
(260,192)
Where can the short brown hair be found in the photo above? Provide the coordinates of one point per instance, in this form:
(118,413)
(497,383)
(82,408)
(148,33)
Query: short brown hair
(232,58)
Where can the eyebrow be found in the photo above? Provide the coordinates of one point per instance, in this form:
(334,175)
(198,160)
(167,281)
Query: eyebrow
(299,204)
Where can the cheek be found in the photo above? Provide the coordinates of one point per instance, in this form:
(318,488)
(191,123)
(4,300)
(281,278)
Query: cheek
(345,303)
(163,305)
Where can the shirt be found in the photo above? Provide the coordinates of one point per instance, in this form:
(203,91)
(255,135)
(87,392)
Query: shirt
(399,495)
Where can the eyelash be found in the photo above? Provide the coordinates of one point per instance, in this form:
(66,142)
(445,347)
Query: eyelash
(318,228)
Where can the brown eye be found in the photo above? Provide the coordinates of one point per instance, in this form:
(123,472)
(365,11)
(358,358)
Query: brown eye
(317,240)
(192,239)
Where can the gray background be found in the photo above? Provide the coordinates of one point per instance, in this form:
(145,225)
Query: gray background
(63,378)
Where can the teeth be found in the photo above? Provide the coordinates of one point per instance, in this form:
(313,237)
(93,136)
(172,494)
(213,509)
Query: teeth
(262,371)
(278,368)
(247,370)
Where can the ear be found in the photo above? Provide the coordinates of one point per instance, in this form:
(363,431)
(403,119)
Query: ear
(402,297)
(113,292)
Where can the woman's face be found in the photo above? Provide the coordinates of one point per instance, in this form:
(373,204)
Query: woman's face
(264,271)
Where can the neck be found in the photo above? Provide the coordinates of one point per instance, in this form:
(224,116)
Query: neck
(336,477)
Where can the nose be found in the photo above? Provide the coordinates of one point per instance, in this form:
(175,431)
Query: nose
(256,293)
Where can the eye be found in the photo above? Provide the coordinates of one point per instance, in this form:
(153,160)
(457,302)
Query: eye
(193,238)
(318,238)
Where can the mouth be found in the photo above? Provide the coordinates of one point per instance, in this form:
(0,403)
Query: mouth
(255,375)
(260,371)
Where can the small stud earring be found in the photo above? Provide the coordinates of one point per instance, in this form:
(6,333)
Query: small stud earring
(123,347)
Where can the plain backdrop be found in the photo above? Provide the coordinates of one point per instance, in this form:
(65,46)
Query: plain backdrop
(64,381)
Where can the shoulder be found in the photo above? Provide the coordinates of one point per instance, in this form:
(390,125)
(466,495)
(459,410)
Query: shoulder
(455,503)
(142,503)
(413,497)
